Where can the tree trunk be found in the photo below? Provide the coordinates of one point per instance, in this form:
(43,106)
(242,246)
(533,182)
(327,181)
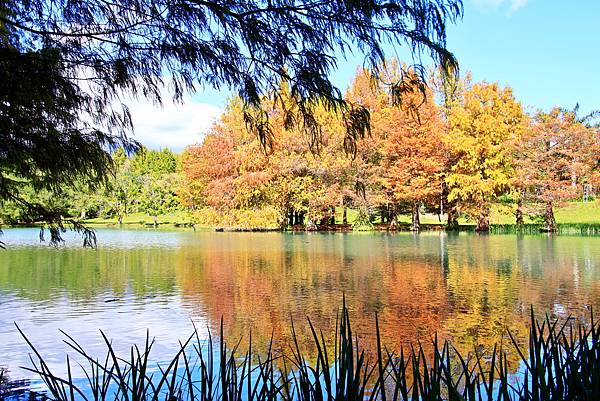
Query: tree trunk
(345,216)
(392,226)
(291,217)
(155,218)
(483,221)
(519,215)
(120,219)
(519,211)
(549,219)
(384,210)
(332,218)
(416,221)
(452,223)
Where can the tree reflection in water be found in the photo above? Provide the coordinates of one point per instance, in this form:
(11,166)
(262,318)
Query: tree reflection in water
(467,288)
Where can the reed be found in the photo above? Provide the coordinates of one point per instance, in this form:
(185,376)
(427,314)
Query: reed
(562,362)
(564,229)
(15,389)
(3,378)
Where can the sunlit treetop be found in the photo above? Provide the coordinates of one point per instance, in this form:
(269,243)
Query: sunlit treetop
(135,45)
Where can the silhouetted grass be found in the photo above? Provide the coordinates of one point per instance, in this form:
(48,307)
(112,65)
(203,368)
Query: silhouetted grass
(561,363)
(3,378)
(15,390)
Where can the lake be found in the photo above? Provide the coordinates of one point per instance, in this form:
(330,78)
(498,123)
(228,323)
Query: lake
(466,287)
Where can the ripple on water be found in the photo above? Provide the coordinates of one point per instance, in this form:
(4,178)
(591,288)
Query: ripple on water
(467,287)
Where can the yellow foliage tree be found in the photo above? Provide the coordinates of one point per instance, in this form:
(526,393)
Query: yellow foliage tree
(481,128)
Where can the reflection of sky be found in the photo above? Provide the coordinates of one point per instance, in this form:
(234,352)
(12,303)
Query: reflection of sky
(124,320)
(107,238)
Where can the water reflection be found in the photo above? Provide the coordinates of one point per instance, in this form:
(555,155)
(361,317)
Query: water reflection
(467,288)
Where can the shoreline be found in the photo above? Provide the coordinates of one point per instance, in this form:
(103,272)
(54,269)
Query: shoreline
(529,228)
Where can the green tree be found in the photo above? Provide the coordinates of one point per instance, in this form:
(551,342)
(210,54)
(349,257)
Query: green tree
(154,162)
(122,191)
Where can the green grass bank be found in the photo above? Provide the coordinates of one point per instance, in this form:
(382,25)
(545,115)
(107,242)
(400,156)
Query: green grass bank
(573,217)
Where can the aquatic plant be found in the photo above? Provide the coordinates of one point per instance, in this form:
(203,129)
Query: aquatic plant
(562,362)
(564,229)
(3,378)
(15,390)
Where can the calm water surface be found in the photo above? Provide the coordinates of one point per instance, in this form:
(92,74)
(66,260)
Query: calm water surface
(468,288)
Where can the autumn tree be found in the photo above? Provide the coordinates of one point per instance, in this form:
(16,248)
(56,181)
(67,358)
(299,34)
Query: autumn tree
(555,157)
(228,171)
(481,128)
(206,167)
(448,92)
(413,149)
(294,188)
(366,165)
(321,177)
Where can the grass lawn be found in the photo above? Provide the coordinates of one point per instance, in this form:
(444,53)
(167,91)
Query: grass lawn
(570,213)
(176,218)
(578,213)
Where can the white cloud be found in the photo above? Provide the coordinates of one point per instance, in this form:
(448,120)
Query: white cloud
(510,5)
(516,5)
(174,125)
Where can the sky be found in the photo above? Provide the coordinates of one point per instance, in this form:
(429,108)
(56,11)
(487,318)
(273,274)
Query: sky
(546,50)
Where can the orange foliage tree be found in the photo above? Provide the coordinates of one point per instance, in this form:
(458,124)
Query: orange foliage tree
(413,151)
(555,158)
(298,181)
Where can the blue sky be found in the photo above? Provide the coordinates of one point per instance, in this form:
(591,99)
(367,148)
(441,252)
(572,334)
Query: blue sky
(546,50)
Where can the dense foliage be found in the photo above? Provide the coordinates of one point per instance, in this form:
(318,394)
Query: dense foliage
(476,151)
(68,68)
(146,182)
